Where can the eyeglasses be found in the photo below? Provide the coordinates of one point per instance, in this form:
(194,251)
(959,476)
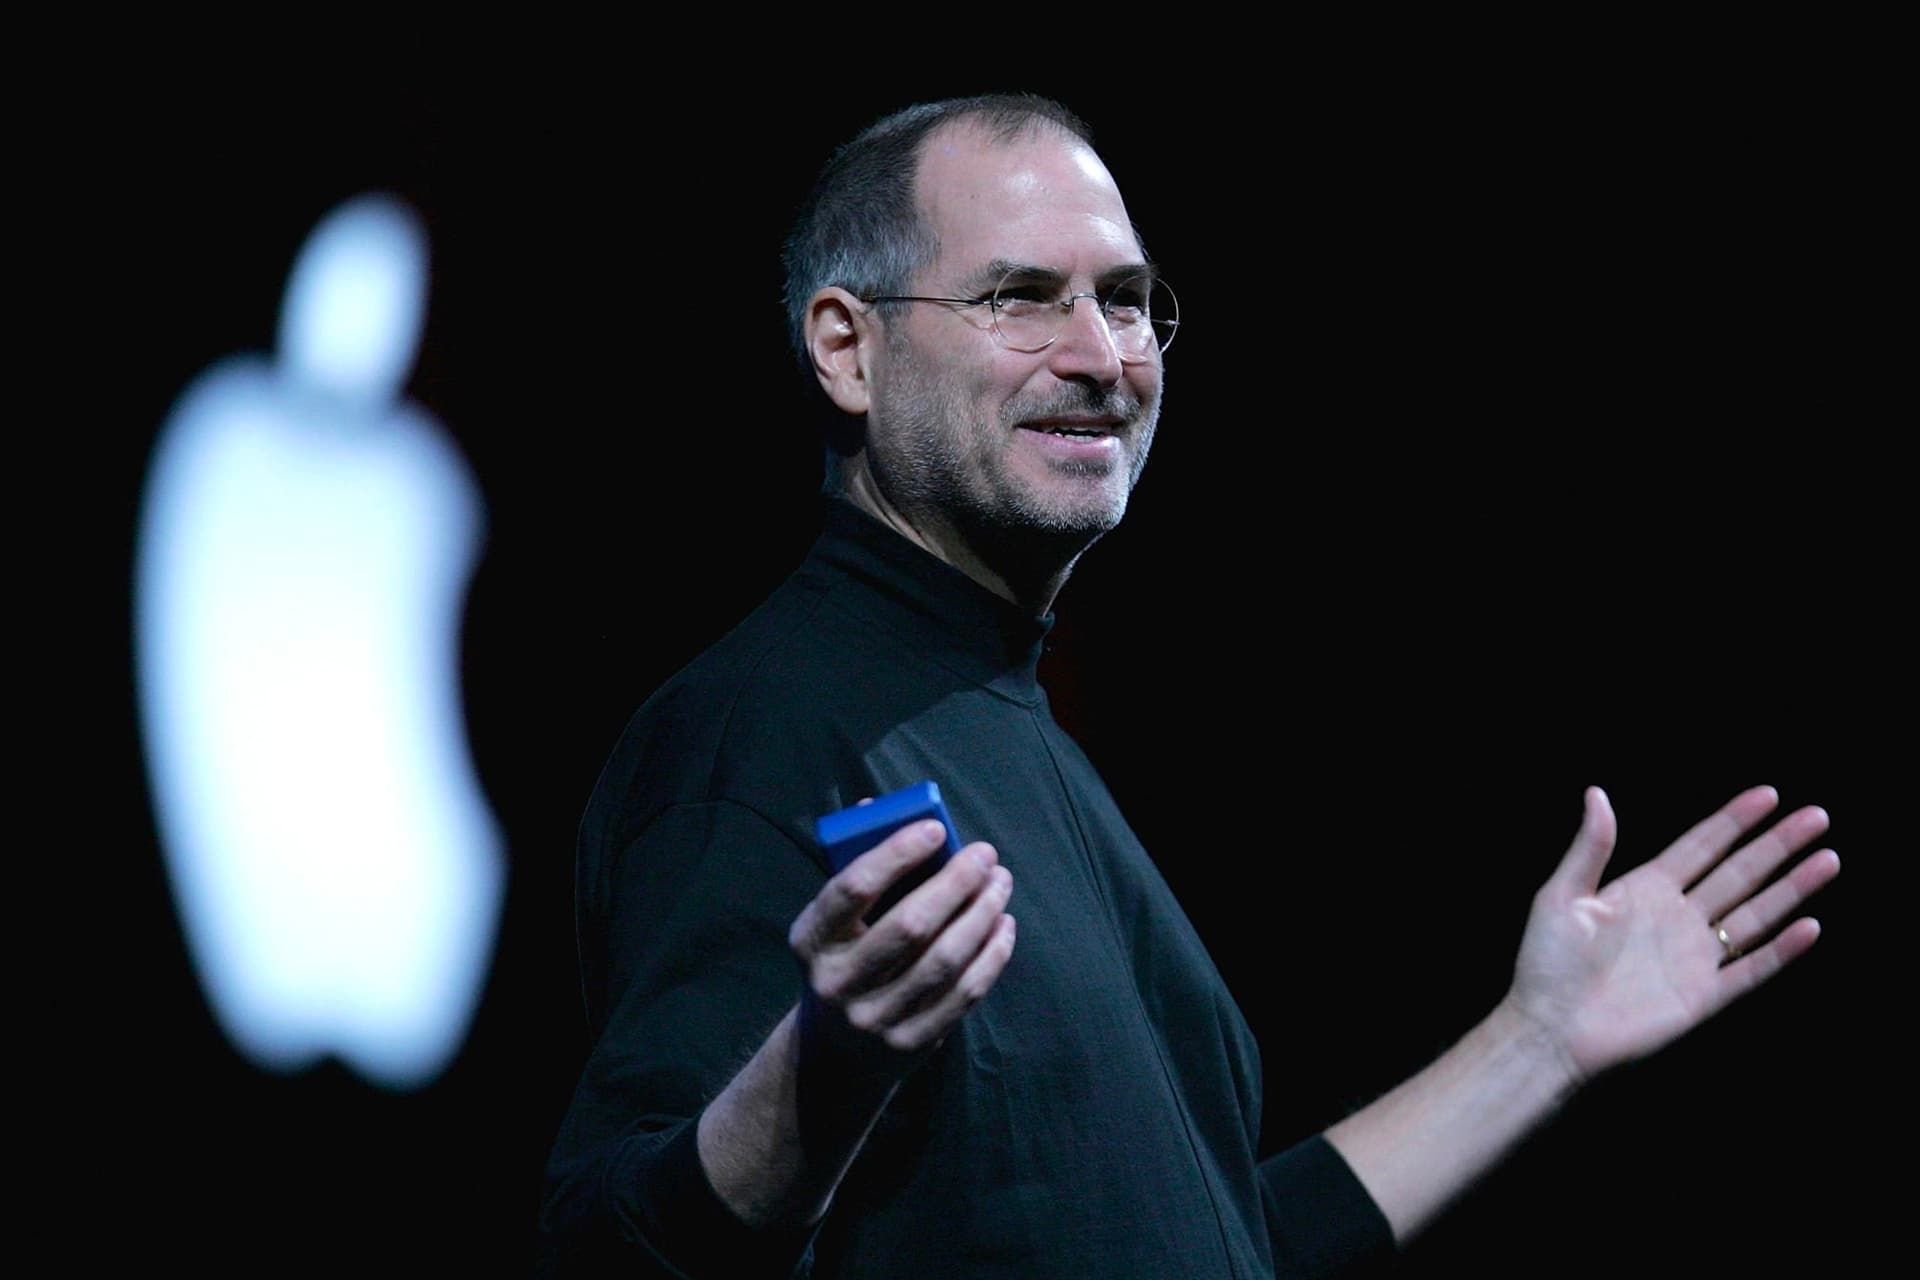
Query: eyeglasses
(1030,310)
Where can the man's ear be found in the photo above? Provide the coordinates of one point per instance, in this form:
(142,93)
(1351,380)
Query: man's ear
(842,336)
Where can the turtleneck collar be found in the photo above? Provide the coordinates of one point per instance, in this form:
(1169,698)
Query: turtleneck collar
(951,618)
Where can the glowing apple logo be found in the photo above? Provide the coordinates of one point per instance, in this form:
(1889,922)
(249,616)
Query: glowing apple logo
(304,553)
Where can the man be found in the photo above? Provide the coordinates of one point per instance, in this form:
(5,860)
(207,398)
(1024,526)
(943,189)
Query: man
(939,1090)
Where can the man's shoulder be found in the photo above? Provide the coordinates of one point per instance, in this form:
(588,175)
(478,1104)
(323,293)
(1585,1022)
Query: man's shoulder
(752,719)
(772,656)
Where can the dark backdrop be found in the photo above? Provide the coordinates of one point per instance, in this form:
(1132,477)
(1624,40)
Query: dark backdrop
(1522,433)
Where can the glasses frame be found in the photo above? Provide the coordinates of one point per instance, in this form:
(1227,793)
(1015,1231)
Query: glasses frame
(1066,306)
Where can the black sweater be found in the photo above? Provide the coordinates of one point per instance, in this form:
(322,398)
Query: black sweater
(1096,1115)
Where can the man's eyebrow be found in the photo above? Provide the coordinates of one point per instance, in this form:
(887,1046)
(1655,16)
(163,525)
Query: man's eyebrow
(983,280)
(1128,271)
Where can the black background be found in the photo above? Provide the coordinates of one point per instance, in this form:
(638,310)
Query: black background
(1525,431)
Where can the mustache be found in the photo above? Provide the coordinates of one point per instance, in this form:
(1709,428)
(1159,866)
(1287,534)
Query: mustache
(1106,402)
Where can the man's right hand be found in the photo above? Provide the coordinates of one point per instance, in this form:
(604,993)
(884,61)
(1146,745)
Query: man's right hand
(879,997)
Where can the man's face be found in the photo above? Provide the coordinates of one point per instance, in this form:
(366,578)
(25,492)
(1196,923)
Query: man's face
(963,428)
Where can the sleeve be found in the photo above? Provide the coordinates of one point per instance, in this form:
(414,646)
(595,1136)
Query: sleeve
(685,948)
(1320,1218)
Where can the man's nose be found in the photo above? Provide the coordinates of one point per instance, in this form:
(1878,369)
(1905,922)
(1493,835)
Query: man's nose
(1085,348)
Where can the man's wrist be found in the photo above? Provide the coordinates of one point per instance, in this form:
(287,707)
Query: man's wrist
(777,1140)
(1510,1029)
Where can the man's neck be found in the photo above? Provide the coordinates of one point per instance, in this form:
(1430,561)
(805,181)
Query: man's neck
(1029,576)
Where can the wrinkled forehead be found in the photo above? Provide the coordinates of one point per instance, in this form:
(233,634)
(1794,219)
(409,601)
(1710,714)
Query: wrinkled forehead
(1043,198)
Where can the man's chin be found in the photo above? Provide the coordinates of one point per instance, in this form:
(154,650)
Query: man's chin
(1088,515)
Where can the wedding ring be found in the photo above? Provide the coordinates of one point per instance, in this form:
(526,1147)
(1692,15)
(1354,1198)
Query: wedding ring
(1730,951)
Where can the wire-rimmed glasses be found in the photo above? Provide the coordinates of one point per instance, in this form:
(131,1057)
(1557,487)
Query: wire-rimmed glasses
(1030,308)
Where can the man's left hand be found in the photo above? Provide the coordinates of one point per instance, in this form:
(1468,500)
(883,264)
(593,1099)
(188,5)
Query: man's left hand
(1614,972)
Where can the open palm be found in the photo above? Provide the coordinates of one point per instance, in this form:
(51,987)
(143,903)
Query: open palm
(1614,972)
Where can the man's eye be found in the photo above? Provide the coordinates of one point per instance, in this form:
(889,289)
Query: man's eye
(1031,294)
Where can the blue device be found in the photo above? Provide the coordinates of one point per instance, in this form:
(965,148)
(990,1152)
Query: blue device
(851,832)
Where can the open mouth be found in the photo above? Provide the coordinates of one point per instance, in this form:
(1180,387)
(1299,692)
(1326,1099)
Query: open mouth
(1076,426)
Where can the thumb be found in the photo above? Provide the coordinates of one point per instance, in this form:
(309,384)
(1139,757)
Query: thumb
(1579,871)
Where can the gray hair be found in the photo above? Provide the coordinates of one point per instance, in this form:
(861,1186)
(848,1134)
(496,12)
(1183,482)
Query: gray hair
(860,228)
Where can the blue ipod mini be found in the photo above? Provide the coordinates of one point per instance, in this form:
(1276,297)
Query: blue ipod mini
(851,832)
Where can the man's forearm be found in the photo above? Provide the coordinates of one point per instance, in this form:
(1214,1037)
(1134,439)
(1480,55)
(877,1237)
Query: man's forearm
(771,1166)
(1420,1146)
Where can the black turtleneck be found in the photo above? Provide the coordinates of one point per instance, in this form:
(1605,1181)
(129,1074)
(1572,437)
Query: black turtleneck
(1097,1115)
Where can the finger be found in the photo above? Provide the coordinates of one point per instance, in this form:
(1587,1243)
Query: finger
(930,1024)
(903,934)
(932,974)
(1580,867)
(1738,877)
(837,910)
(871,955)
(1690,857)
(1760,915)
(1754,968)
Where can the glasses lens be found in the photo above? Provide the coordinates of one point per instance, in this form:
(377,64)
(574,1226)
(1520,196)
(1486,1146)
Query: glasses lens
(1163,312)
(1141,314)
(1027,312)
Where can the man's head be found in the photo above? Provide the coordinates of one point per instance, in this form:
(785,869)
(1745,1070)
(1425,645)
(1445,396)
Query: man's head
(967,436)
(862,229)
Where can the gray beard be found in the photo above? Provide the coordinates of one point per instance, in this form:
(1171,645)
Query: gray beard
(934,466)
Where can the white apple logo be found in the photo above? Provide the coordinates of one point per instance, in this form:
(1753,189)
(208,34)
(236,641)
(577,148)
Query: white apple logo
(304,552)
